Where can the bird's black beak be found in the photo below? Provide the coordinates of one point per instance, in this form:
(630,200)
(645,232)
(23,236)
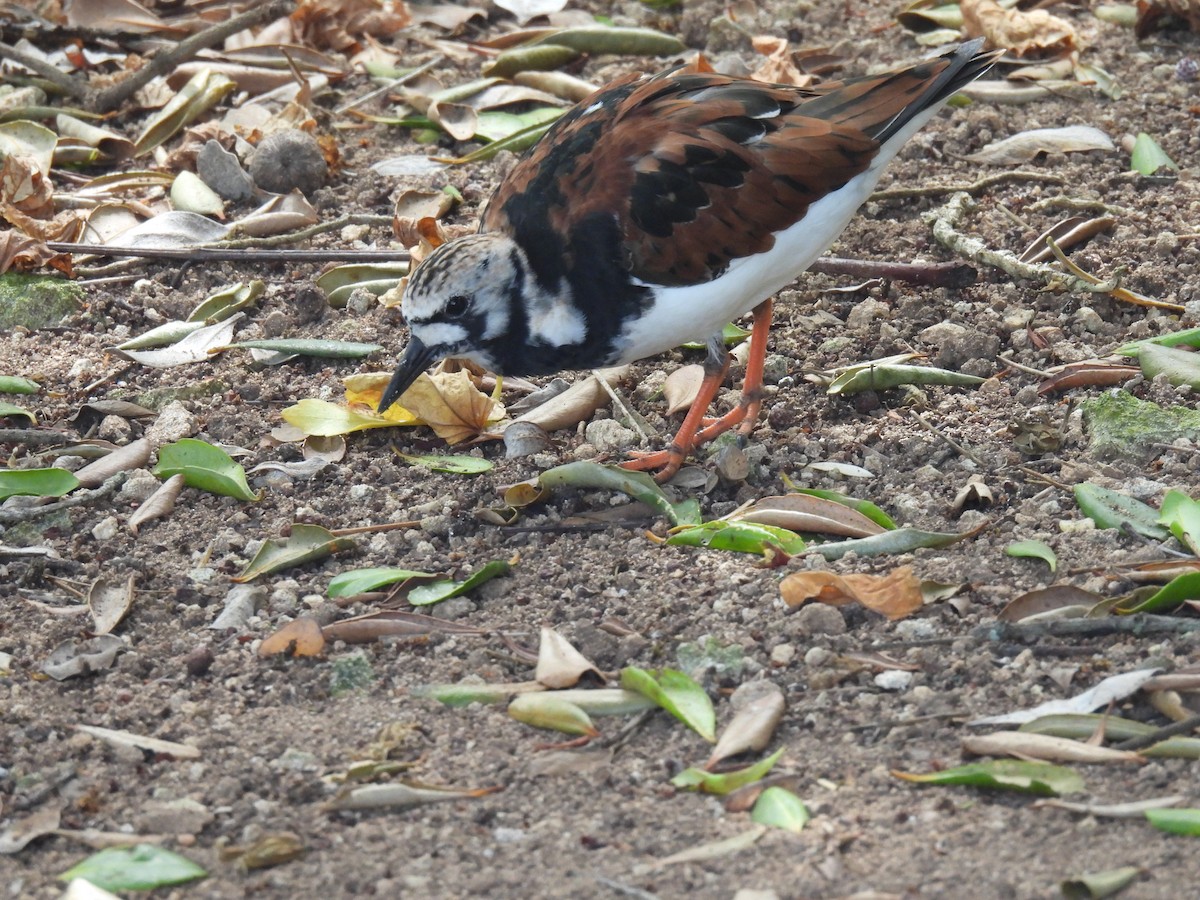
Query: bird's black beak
(416,359)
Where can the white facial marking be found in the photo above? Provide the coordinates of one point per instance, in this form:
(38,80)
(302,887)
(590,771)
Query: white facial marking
(557,324)
(434,333)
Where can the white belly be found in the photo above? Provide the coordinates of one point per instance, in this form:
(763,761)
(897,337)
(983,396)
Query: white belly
(694,313)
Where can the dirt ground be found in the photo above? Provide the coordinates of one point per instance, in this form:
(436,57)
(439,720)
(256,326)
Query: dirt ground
(595,824)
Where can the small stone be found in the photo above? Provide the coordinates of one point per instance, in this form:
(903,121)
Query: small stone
(274,324)
(309,304)
(182,816)
(894,680)
(115,429)
(1187,69)
(818,656)
(609,436)
(106,529)
(782,654)
(820,618)
(139,486)
(172,424)
(865,315)
(240,604)
(199,661)
(915,629)
(755,894)
(221,171)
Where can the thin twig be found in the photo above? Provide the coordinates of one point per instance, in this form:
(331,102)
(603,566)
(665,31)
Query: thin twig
(29,436)
(1183,726)
(623,409)
(170,58)
(957,446)
(373,529)
(913,720)
(26,513)
(1138,624)
(943,274)
(72,87)
(1028,370)
(394,83)
(974,187)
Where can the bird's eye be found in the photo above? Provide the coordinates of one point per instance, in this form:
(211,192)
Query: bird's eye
(457,305)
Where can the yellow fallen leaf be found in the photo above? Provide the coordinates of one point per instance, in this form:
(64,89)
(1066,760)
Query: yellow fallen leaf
(452,406)
(299,637)
(895,595)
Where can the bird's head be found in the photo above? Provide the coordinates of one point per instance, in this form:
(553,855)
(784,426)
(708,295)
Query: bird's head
(457,300)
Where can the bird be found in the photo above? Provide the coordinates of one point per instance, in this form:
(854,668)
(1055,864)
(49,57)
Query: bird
(656,211)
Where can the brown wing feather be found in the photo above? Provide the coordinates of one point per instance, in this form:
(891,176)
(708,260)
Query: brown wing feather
(703,168)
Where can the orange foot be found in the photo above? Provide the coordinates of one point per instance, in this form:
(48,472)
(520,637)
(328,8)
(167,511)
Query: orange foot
(697,429)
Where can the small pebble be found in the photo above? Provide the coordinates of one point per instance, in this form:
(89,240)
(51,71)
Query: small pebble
(893,680)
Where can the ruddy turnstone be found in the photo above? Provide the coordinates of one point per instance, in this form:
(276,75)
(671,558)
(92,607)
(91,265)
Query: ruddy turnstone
(656,211)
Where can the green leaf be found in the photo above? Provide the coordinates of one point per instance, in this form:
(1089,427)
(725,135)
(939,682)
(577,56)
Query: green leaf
(677,694)
(1033,550)
(1166,598)
(1096,885)
(224,303)
(637,485)
(1006,775)
(11,410)
(877,378)
(864,507)
(143,867)
(1176,821)
(455,465)
(206,467)
(741,537)
(1181,367)
(309,347)
(1181,514)
(726,782)
(306,543)
(324,419)
(1188,337)
(780,808)
(359,581)
(428,594)
(1148,157)
(1108,509)
(902,540)
(15,384)
(731,334)
(36,483)
(545,710)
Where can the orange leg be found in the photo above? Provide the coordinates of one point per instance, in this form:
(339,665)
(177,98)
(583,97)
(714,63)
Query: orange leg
(696,428)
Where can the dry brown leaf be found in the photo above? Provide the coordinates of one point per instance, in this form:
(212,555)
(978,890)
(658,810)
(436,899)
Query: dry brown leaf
(21,253)
(338,24)
(559,664)
(803,512)
(159,504)
(759,708)
(780,66)
(682,386)
(1089,373)
(299,637)
(109,601)
(1027,745)
(24,187)
(1034,33)
(895,595)
(577,403)
(448,16)
(451,405)
(1059,601)
(67,226)
(1027,145)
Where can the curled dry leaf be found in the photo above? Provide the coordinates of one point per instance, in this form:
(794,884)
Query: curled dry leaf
(142,742)
(1026,145)
(759,708)
(452,406)
(1027,745)
(71,658)
(895,595)
(559,664)
(299,637)
(577,403)
(807,513)
(1059,601)
(108,603)
(780,65)
(159,504)
(1089,373)
(682,386)
(1033,33)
